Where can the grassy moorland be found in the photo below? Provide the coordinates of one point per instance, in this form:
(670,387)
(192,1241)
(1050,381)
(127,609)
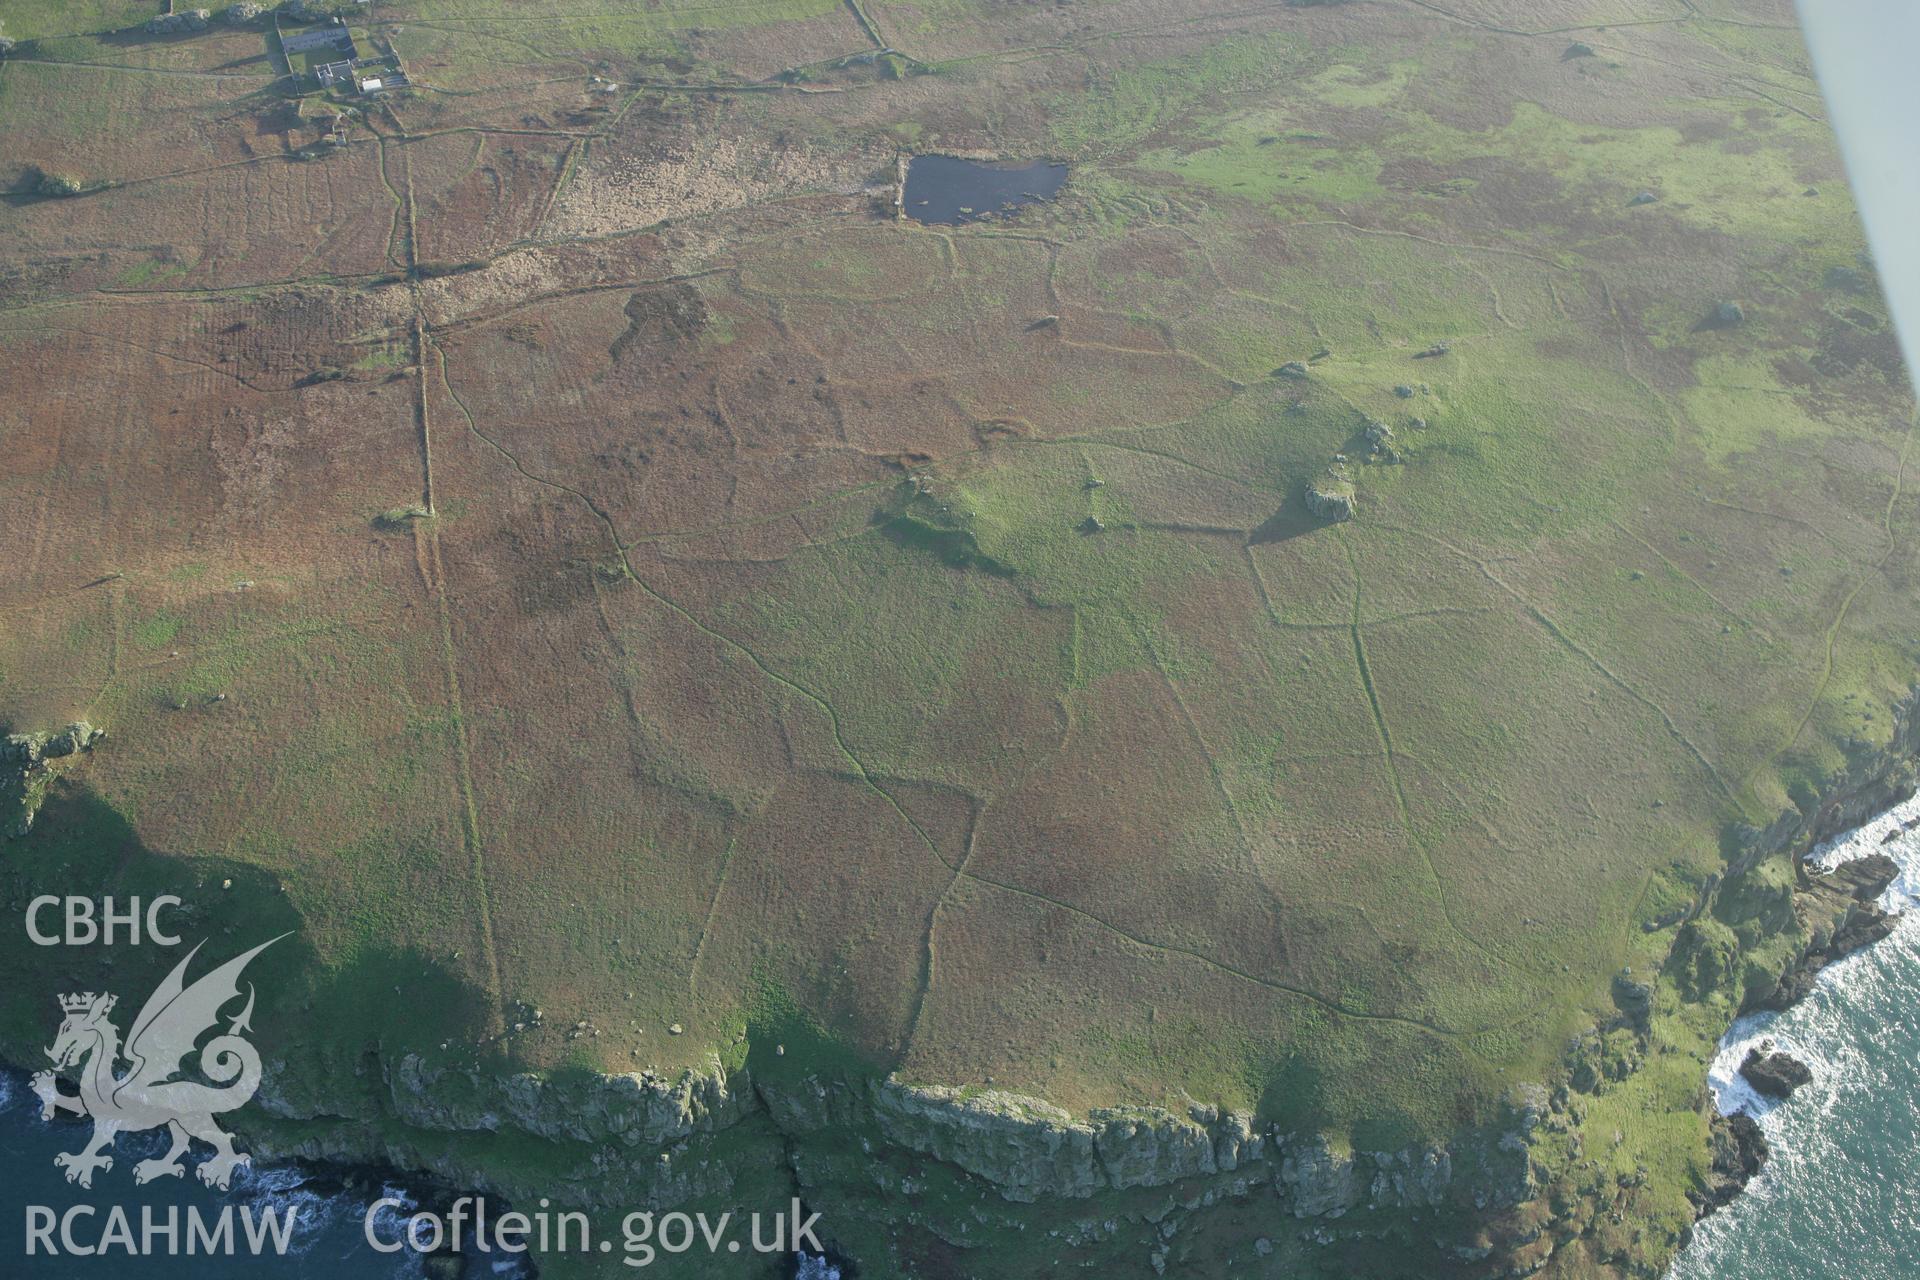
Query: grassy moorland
(716,595)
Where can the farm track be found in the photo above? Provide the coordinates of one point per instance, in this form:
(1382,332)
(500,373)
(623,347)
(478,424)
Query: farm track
(153,351)
(1678,572)
(432,569)
(929,952)
(214,74)
(706,922)
(1796,521)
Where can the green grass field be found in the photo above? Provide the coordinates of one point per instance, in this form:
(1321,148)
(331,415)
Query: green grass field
(911,645)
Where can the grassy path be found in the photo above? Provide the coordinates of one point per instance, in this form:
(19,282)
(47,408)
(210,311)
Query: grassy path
(433,574)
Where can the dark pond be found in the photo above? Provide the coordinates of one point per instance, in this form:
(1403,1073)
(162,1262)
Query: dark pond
(949,190)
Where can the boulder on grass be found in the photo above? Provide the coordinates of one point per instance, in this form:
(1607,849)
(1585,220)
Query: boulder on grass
(1330,496)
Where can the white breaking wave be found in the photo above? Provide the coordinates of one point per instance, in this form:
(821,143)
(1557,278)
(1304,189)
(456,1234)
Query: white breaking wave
(1834,1032)
(815,1267)
(1731,1093)
(284,1189)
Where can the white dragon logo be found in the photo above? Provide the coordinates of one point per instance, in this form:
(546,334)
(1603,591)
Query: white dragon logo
(149,1094)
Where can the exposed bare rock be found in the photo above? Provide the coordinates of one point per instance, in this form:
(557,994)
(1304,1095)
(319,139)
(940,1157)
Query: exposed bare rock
(1775,1074)
(1331,495)
(178,22)
(1843,914)
(1739,1151)
(27,768)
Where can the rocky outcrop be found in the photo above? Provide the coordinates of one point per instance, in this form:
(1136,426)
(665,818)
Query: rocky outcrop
(1841,912)
(1739,1150)
(1421,1179)
(1320,1181)
(1330,496)
(1774,1074)
(1028,1148)
(1018,1161)
(1148,1147)
(27,749)
(633,1109)
(1634,998)
(26,769)
(179,22)
(1025,1147)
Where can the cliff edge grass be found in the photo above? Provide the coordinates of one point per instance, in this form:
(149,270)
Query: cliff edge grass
(1598,1171)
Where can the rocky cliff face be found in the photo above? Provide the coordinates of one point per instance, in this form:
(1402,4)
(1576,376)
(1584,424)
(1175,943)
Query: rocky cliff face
(1027,1148)
(975,1168)
(1840,913)
(1004,1185)
(1738,1150)
(27,764)
(1874,781)
(1756,937)
(635,1109)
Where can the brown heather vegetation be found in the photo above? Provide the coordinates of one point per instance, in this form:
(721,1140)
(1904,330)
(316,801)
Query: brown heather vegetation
(702,596)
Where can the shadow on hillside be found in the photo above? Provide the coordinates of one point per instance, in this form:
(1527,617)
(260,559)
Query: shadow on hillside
(1290,521)
(310,1010)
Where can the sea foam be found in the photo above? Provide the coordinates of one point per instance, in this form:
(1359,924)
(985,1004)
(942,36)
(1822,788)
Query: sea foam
(1821,1207)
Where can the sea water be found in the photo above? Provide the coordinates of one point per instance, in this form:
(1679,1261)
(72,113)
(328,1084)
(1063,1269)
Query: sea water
(1838,1200)
(328,1240)
(1840,1197)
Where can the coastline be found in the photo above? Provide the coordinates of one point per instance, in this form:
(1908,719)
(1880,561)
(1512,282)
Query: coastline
(977,1175)
(327,1202)
(1732,1093)
(1633,1153)
(1825,1028)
